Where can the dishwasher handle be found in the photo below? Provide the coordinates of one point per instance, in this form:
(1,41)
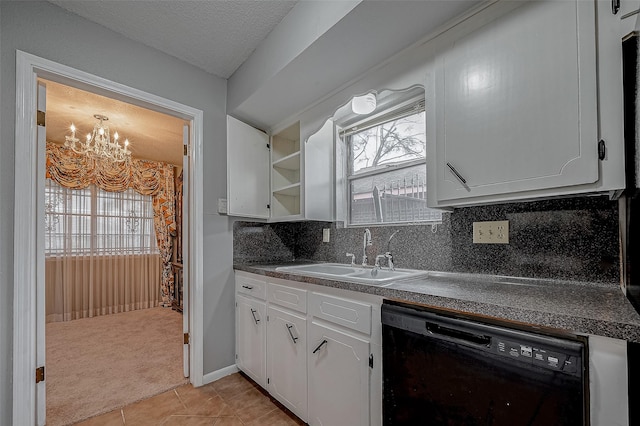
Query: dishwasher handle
(459,335)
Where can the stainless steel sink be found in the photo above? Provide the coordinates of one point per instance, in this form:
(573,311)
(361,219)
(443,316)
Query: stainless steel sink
(349,273)
(322,269)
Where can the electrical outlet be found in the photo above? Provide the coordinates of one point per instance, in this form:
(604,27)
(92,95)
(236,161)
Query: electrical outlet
(496,232)
(326,235)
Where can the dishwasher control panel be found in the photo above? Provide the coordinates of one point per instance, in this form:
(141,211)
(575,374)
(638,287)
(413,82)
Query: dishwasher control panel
(535,355)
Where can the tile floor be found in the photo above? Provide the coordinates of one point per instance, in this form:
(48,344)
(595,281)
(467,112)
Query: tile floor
(234,400)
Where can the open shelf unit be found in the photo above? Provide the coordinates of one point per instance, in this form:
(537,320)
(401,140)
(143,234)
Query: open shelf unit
(285,172)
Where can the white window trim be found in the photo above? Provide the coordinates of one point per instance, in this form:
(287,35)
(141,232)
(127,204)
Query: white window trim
(404,109)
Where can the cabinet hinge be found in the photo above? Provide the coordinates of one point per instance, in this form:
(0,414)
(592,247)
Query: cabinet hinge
(40,374)
(186,338)
(602,149)
(41,118)
(186,150)
(371,361)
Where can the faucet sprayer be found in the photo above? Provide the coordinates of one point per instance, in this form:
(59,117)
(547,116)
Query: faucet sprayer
(388,254)
(366,241)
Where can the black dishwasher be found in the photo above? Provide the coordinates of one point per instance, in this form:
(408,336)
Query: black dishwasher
(443,370)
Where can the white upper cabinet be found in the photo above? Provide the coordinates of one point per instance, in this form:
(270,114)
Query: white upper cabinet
(513,107)
(247,170)
(279,177)
(625,8)
(319,174)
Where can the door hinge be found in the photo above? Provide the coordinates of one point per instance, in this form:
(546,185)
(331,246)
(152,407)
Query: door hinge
(602,149)
(236,356)
(268,206)
(267,318)
(268,380)
(186,150)
(371,361)
(268,147)
(40,118)
(186,338)
(40,374)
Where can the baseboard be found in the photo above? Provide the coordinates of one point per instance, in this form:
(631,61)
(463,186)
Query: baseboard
(219,374)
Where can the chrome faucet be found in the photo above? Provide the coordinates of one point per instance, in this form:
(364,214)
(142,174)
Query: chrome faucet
(353,258)
(388,254)
(389,257)
(366,241)
(378,257)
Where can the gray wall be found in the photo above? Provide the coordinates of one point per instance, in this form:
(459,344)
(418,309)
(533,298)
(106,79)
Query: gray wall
(50,32)
(571,239)
(5,315)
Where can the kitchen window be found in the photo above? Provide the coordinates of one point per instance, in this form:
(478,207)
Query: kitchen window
(94,221)
(386,170)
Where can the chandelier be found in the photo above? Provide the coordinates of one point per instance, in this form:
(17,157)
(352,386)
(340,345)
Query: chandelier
(98,143)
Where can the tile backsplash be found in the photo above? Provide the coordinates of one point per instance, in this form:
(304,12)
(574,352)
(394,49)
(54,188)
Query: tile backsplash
(572,239)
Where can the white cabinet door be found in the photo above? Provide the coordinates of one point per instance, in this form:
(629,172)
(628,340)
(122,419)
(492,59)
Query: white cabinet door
(319,174)
(338,378)
(287,360)
(513,105)
(247,170)
(628,8)
(251,338)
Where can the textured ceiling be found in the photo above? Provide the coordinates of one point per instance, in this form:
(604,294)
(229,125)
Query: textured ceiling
(152,135)
(216,36)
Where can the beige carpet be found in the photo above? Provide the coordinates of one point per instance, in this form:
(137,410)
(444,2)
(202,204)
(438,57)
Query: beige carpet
(96,365)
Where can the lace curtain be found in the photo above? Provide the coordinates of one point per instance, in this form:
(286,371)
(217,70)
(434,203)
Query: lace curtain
(151,178)
(101,255)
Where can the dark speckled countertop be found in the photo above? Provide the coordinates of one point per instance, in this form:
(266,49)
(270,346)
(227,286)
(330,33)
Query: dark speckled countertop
(576,307)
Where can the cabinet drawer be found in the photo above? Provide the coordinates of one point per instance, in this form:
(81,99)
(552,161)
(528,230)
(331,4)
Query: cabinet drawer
(251,285)
(288,297)
(344,312)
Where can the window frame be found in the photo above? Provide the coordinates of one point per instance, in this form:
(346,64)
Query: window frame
(93,217)
(405,109)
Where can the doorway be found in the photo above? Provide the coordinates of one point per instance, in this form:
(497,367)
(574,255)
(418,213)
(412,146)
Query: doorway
(29,377)
(114,328)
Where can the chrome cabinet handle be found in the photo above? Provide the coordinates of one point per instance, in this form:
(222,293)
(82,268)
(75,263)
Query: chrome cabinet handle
(320,346)
(253,313)
(458,175)
(248,287)
(289,327)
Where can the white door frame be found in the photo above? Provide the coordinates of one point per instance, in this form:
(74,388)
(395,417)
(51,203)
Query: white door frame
(28,275)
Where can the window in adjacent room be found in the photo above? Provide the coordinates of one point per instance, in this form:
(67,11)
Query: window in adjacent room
(386,170)
(94,221)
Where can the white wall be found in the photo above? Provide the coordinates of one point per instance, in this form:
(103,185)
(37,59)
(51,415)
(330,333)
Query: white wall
(50,32)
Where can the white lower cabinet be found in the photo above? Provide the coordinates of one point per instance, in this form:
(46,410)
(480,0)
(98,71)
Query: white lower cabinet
(338,378)
(287,359)
(251,337)
(312,348)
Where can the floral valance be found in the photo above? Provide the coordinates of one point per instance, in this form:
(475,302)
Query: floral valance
(77,171)
(156,179)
